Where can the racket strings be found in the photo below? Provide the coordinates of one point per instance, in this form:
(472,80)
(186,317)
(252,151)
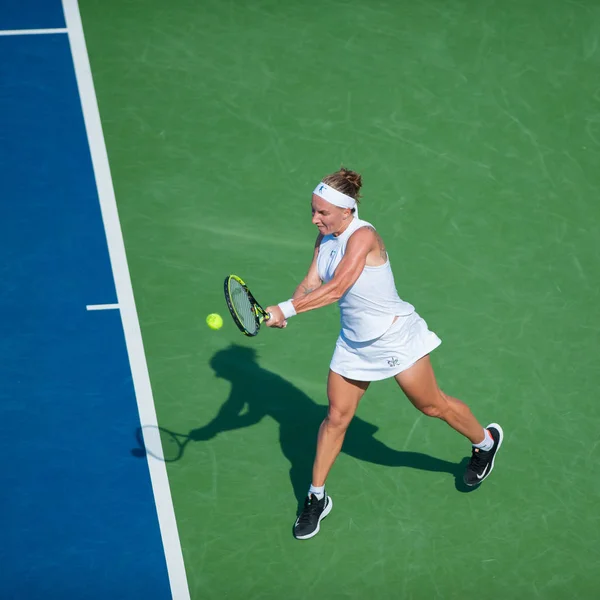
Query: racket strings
(242,305)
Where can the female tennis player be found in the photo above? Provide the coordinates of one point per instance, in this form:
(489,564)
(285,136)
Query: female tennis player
(381,336)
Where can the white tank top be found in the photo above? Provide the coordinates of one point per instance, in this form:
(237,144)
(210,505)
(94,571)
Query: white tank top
(368,308)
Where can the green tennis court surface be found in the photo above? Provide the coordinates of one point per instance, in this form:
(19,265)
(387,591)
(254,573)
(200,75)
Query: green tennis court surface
(476,126)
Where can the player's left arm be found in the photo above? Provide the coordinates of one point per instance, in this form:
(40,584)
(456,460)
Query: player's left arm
(348,271)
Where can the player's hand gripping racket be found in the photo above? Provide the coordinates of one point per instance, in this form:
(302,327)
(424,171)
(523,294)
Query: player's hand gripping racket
(247,313)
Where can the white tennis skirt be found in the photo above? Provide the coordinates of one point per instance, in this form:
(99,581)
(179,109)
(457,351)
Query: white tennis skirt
(400,347)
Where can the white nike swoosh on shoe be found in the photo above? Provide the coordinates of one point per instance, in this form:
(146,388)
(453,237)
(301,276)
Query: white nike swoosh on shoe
(326,511)
(484,472)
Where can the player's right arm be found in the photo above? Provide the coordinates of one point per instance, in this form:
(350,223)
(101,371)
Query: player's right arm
(312,281)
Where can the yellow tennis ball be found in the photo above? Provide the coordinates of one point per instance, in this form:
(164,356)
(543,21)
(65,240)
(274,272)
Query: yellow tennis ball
(214,321)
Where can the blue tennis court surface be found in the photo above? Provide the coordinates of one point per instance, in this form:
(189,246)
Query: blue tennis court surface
(78,513)
(31,14)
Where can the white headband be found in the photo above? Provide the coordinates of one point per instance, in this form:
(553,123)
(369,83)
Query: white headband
(336,198)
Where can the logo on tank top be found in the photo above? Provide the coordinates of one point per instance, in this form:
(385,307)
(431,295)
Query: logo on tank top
(393,362)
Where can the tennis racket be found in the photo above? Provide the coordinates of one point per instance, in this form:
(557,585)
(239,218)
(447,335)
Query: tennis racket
(247,313)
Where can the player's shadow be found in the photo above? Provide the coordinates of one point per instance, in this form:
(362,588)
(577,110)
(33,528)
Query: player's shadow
(257,393)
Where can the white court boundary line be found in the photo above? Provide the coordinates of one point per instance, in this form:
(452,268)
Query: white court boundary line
(31,31)
(101,306)
(131,326)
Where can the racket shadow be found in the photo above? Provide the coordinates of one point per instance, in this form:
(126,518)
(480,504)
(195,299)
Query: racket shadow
(160,443)
(257,393)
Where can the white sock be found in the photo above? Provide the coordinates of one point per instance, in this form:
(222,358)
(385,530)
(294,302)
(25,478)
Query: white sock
(319,492)
(488,442)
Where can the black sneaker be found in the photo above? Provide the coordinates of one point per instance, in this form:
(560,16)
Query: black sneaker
(482,461)
(308,523)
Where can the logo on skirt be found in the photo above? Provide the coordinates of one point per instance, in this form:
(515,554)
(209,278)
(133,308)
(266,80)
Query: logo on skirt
(393,362)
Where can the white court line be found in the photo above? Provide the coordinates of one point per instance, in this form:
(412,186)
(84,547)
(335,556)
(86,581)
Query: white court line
(131,326)
(101,306)
(31,31)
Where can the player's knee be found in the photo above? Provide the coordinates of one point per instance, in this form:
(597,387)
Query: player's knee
(339,419)
(431,410)
(436,409)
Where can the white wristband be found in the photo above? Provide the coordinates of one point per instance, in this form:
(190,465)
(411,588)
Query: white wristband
(287,308)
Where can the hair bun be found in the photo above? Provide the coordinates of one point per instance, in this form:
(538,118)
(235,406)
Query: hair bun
(346,181)
(352,177)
